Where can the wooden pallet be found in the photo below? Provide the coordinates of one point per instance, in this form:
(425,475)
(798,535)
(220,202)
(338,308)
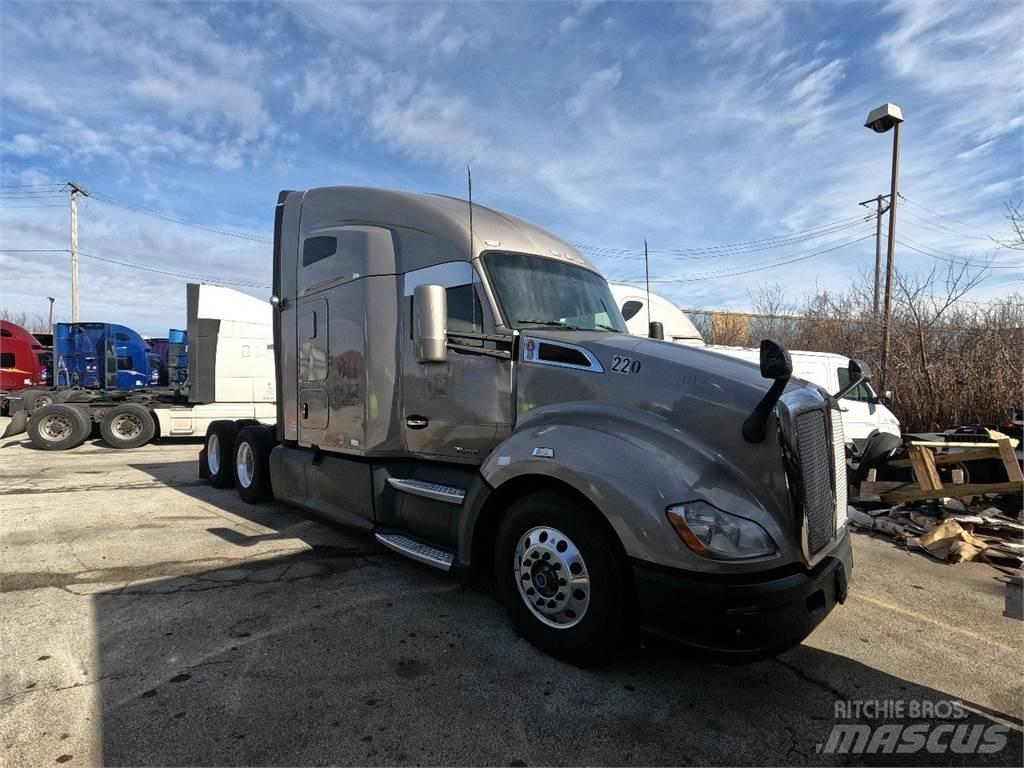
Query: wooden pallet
(923,458)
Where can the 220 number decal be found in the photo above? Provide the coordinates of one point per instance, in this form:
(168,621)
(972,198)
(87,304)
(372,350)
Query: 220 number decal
(625,365)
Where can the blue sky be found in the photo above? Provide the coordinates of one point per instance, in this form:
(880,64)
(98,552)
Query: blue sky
(695,125)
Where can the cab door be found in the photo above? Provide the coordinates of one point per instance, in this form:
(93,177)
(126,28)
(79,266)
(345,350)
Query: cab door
(314,408)
(459,409)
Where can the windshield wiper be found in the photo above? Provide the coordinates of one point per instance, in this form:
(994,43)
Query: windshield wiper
(550,323)
(604,327)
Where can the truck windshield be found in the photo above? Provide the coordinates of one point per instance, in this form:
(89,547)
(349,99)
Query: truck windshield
(535,292)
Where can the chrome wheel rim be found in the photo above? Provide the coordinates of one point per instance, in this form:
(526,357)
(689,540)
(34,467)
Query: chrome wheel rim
(126,426)
(43,400)
(213,453)
(552,577)
(245,464)
(56,427)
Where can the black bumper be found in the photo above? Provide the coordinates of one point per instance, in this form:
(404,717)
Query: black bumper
(746,617)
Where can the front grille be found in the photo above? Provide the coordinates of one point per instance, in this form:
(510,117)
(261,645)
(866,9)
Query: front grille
(839,452)
(815,453)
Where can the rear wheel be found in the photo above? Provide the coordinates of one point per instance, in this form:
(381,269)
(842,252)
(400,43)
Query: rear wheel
(35,399)
(57,427)
(560,579)
(219,453)
(252,464)
(128,425)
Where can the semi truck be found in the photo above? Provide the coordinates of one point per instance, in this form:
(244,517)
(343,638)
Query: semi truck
(22,362)
(865,413)
(230,375)
(459,384)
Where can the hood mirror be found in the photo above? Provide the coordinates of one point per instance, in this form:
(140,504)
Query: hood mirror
(775,364)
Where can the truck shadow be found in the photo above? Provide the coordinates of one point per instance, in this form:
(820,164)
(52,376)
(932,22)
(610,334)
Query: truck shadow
(333,650)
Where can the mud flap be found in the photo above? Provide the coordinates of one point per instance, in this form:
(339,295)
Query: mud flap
(19,422)
(841,584)
(204,468)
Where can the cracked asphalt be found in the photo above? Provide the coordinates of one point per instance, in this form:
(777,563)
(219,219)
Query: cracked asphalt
(148,619)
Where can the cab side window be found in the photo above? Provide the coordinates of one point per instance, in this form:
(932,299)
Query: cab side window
(7,360)
(464,312)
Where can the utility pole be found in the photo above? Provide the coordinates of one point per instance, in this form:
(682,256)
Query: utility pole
(76,190)
(878,249)
(50,324)
(889,255)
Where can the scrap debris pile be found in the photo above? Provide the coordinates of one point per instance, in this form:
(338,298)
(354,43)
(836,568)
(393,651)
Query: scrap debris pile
(950,531)
(949,519)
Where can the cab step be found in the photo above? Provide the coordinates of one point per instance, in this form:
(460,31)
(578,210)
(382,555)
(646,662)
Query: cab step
(436,491)
(417,550)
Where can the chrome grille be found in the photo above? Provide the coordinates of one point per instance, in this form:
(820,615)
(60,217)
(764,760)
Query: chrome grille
(839,452)
(815,457)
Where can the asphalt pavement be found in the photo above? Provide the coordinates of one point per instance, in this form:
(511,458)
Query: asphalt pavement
(149,619)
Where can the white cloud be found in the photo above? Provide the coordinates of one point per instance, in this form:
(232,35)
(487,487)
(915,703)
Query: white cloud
(596,88)
(30,94)
(24,145)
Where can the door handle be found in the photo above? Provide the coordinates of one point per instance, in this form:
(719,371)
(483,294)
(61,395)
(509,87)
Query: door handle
(416,422)
(305,410)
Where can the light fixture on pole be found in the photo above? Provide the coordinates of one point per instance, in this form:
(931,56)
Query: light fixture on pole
(880,120)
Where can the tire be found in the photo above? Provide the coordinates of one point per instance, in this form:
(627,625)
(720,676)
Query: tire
(541,537)
(219,453)
(251,465)
(58,427)
(128,425)
(35,399)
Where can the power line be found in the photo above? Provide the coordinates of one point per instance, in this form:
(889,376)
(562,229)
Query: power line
(741,246)
(24,186)
(746,271)
(953,259)
(188,276)
(920,221)
(177,219)
(158,270)
(964,223)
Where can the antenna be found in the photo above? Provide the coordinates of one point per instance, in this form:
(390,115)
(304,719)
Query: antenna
(647,275)
(469,183)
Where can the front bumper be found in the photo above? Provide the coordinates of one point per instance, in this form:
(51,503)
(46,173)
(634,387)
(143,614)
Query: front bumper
(747,616)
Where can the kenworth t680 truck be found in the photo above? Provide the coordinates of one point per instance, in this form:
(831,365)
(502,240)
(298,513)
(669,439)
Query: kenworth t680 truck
(459,383)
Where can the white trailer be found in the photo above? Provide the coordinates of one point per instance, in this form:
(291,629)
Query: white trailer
(230,376)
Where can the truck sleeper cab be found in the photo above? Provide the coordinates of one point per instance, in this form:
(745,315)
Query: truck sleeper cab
(471,397)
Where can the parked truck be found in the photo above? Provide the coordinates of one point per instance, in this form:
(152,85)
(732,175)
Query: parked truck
(230,375)
(22,362)
(459,383)
(864,412)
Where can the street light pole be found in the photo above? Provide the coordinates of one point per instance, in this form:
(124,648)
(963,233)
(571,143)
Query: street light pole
(884,118)
(889,256)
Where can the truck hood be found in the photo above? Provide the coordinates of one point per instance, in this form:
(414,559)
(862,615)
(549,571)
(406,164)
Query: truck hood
(680,407)
(686,385)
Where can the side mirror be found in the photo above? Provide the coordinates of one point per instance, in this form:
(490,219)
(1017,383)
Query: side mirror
(775,360)
(859,373)
(430,324)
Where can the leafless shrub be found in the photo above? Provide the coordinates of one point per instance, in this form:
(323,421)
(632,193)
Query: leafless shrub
(951,361)
(32,323)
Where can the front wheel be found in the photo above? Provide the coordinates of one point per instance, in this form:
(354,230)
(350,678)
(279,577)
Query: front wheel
(560,579)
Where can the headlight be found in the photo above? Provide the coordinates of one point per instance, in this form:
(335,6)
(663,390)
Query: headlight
(713,533)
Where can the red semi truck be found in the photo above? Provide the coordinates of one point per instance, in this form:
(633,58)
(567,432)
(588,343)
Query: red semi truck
(22,362)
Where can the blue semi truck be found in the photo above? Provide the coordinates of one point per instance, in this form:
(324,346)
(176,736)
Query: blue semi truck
(106,356)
